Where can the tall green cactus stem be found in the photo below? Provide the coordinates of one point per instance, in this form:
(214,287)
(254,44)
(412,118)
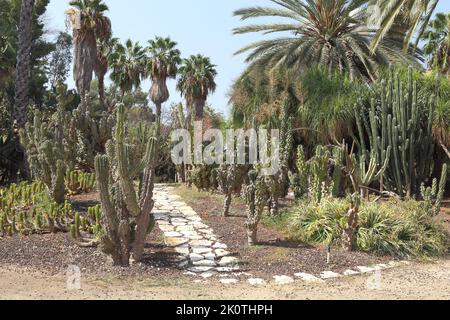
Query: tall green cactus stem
(441,191)
(300,179)
(93,132)
(286,145)
(400,120)
(338,161)
(256,197)
(46,153)
(127,217)
(226,177)
(363,173)
(319,174)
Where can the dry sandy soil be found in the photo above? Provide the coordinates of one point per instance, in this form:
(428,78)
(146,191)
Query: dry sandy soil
(415,281)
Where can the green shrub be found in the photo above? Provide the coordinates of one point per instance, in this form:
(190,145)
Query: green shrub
(394,228)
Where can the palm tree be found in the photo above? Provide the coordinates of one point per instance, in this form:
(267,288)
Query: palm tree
(105,48)
(437,45)
(89,25)
(414,13)
(196,82)
(162,64)
(330,33)
(23,63)
(127,64)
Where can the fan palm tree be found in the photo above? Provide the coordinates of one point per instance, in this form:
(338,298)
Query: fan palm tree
(127,66)
(330,33)
(23,63)
(105,48)
(414,13)
(162,64)
(196,82)
(89,25)
(437,45)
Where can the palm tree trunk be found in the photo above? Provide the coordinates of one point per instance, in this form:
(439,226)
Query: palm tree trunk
(101,91)
(23,63)
(199,106)
(85,50)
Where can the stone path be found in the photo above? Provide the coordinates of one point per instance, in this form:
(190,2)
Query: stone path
(203,256)
(196,244)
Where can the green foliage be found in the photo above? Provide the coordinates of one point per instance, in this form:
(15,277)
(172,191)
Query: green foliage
(79,182)
(396,228)
(400,119)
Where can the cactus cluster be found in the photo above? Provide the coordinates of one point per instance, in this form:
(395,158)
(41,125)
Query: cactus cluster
(126,213)
(78,182)
(256,195)
(46,152)
(92,131)
(27,209)
(433,196)
(286,146)
(400,121)
(203,177)
(86,230)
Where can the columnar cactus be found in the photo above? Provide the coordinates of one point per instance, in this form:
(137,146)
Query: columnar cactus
(127,217)
(46,153)
(79,182)
(92,130)
(256,196)
(286,145)
(398,119)
(433,196)
(300,179)
(351,223)
(363,173)
(226,176)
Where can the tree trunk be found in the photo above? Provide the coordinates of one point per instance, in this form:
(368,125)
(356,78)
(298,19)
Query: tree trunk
(101,91)
(227,203)
(252,234)
(199,107)
(85,51)
(23,63)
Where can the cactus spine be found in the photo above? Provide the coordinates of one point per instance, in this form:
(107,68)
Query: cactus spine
(127,217)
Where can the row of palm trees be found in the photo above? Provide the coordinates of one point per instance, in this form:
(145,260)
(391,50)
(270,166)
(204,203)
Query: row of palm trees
(130,63)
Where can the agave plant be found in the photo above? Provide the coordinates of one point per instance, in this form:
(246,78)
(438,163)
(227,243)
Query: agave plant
(331,33)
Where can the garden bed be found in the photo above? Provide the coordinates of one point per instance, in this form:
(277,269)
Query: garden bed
(275,254)
(53,253)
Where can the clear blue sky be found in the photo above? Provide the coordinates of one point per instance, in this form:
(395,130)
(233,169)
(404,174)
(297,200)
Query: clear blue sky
(199,26)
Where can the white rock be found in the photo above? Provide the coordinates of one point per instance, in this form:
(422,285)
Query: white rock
(257,282)
(207,275)
(366,269)
(185,228)
(201,250)
(210,256)
(282,280)
(329,275)
(196,257)
(166,228)
(183,264)
(228,281)
(227,269)
(173,234)
(204,263)
(307,277)
(189,233)
(182,250)
(226,261)
(351,273)
(190,274)
(200,269)
(219,245)
(221,253)
(200,243)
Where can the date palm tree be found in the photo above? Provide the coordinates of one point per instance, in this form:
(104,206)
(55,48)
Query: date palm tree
(22,89)
(127,65)
(415,14)
(162,64)
(331,33)
(437,46)
(196,82)
(92,26)
(105,48)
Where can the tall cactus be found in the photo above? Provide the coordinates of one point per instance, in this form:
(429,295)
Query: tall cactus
(127,216)
(286,145)
(400,120)
(300,179)
(256,196)
(46,153)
